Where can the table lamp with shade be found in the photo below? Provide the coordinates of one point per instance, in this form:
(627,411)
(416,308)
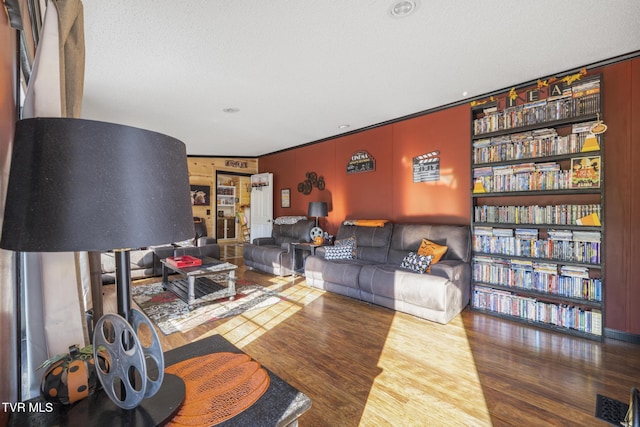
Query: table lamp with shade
(82,185)
(317,209)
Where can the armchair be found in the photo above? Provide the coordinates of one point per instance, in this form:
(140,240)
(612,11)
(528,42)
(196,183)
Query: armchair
(274,254)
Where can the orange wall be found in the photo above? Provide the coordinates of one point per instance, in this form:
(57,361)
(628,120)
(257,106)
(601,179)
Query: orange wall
(388,192)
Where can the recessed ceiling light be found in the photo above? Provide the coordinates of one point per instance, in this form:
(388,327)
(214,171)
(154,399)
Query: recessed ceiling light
(465,93)
(231,110)
(344,126)
(402,8)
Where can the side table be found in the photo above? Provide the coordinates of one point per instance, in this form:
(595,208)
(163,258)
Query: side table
(304,247)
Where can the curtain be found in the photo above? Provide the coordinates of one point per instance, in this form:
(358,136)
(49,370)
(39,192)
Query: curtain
(54,285)
(8,294)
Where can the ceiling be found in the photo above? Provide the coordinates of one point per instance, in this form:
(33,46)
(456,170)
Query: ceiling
(294,72)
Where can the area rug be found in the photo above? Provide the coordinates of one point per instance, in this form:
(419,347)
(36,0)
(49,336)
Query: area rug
(171,314)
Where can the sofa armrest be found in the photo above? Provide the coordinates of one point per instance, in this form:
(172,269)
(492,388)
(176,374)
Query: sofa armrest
(320,251)
(206,240)
(261,241)
(457,272)
(160,252)
(210,250)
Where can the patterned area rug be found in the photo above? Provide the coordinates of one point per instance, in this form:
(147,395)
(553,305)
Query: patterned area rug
(171,314)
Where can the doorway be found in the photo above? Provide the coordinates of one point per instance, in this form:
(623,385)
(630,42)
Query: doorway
(233,204)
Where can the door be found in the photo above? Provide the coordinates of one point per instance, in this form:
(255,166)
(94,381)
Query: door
(261,205)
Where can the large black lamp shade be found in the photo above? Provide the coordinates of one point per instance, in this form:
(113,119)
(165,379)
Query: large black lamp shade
(82,185)
(317,209)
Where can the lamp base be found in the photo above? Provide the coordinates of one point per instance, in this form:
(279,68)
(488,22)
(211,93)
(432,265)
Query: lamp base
(99,410)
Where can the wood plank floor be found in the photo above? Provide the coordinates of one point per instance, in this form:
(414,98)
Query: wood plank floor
(364,365)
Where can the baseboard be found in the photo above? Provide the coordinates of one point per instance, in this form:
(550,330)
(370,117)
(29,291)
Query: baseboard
(622,336)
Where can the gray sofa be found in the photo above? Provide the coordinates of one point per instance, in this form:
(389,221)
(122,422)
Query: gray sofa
(274,254)
(146,262)
(375,275)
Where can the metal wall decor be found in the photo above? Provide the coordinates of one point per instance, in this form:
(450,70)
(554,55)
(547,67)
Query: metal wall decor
(312,180)
(361,161)
(426,167)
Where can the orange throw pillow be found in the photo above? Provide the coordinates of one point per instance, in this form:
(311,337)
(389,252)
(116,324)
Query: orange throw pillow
(427,247)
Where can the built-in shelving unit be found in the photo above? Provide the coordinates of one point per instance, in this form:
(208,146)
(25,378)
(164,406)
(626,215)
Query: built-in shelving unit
(537,202)
(226,212)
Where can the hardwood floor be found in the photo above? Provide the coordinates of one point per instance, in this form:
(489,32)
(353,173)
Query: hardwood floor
(364,365)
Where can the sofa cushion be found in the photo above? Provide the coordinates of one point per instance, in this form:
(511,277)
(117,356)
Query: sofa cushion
(344,272)
(372,242)
(393,282)
(293,233)
(416,262)
(427,247)
(408,238)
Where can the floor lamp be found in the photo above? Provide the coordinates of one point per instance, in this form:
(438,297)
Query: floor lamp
(82,185)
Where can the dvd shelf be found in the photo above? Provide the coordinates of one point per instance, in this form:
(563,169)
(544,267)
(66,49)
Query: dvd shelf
(537,208)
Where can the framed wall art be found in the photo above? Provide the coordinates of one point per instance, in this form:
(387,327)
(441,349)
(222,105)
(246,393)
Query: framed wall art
(200,195)
(285,198)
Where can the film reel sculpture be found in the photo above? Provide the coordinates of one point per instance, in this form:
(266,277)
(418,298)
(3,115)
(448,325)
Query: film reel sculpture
(316,232)
(122,365)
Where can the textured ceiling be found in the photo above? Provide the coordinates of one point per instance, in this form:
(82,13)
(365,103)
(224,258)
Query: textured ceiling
(297,70)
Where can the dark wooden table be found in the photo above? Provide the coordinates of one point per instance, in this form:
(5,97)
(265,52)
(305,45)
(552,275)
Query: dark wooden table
(308,247)
(280,405)
(196,283)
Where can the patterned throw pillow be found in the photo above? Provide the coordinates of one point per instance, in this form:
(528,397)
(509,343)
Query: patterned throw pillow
(427,247)
(417,263)
(349,242)
(342,249)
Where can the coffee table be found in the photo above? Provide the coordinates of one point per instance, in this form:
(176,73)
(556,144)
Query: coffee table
(196,286)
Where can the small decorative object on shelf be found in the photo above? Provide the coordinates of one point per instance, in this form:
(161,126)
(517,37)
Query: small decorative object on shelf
(70,377)
(537,202)
(227,200)
(585,172)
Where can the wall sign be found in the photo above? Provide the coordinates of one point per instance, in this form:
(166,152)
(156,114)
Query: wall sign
(236,164)
(426,167)
(361,161)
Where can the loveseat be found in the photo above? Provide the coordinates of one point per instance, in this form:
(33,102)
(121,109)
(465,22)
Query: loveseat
(146,262)
(375,274)
(274,254)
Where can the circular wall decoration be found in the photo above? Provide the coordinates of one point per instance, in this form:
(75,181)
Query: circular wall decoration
(312,180)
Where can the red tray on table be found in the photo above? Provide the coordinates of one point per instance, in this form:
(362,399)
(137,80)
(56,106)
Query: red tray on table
(184,261)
